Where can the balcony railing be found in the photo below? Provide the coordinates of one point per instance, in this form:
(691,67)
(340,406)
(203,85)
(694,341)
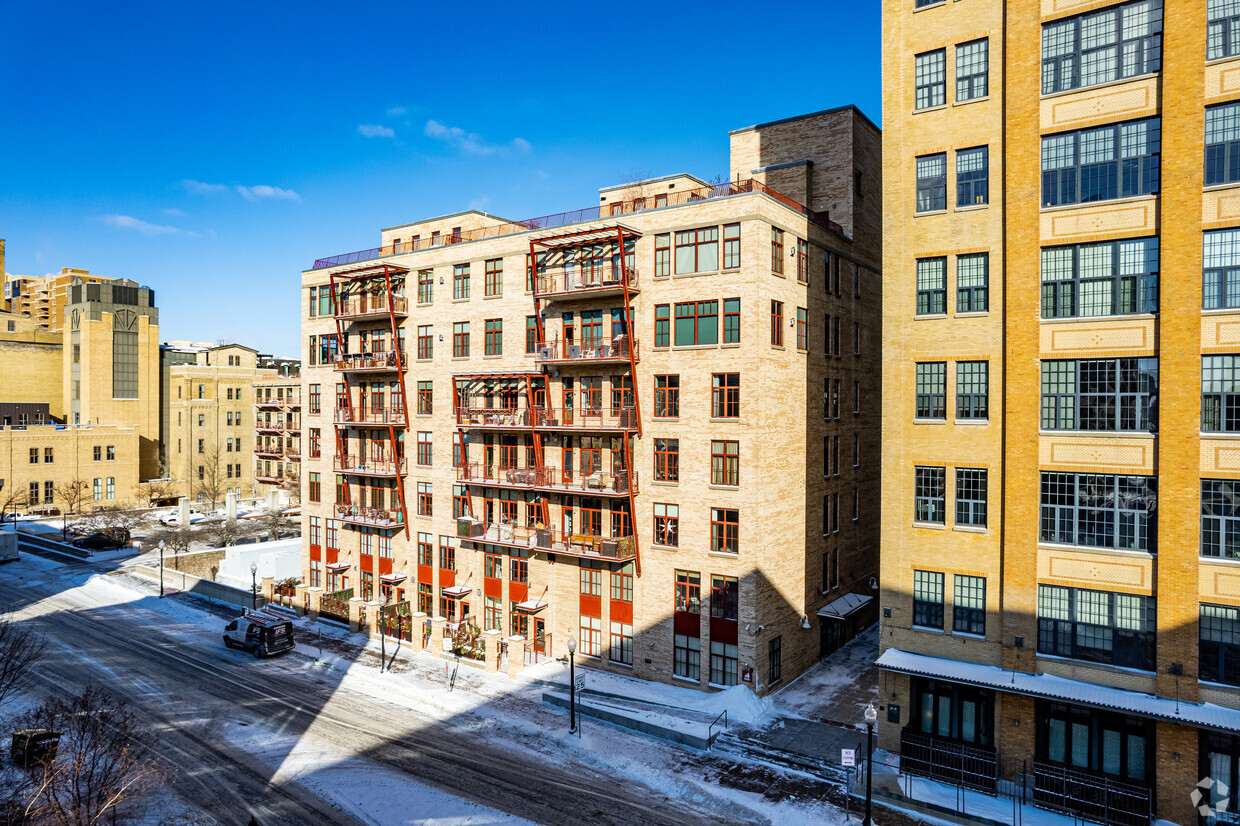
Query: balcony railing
(269,404)
(292,454)
(360,415)
(594,213)
(589,546)
(547,478)
(375,517)
(374,362)
(371,304)
(955,763)
(267,450)
(361,466)
(275,427)
(551,418)
(562,281)
(615,348)
(1090,796)
(273,477)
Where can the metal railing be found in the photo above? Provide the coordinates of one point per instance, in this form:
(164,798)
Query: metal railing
(955,763)
(360,415)
(711,734)
(560,281)
(613,349)
(590,546)
(367,467)
(584,418)
(547,476)
(370,304)
(1090,796)
(637,203)
(390,360)
(336,604)
(538,650)
(376,517)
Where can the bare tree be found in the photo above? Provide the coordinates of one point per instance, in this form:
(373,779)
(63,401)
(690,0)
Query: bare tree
(275,525)
(11,499)
(637,191)
(117,521)
(224,532)
(293,485)
(214,476)
(71,492)
(177,540)
(156,490)
(20,648)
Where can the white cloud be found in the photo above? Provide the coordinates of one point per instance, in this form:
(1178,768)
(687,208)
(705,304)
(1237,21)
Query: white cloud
(199,188)
(263,191)
(396,110)
(142,227)
(374,130)
(173,211)
(470,143)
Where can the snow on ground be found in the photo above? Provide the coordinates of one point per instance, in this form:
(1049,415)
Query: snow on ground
(970,802)
(836,689)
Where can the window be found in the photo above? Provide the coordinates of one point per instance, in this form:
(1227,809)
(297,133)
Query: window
(777,250)
(667,460)
(621,643)
(97,489)
(725,400)
(1220,518)
(1099,511)
(687,657)
(929,495)
(622,583)
(667,396)
(697,322)
(531,334)
(731,246)
(1111,278)
(972,283)
(315,398)
(48,455)
(1220,402)
(969,605)
(1096,626)
(447,553)
(1221,269)
(1100,394)
(972,174)
(519,567)
(688,592)
(971,65)
(725,462)
(731,320)
(725,525)
(1219,632)
(34,455)
(460,339)
(426,404)
(697,250)
(971,497)
(972,381)
(1118,42)
(1222,144)
(803,330)
(666,525)
(425,499)
(591,578)
(932,182)
(494,341)
(928,599)
(724,597)
(98,453)
(1115,161)
(931,286)
(425,444)
(494,277)
(662,325)
(931,390)
(723,663)
(1222,30)
(663,254)
(426,286)
(777,323)
(460,281)
(426,341)
(930,79)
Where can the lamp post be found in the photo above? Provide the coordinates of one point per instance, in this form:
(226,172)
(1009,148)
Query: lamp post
(871,717)
(253,586)
(161,570)
(572,686)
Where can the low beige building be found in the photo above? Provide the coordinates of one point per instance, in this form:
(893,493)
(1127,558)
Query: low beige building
(68,467)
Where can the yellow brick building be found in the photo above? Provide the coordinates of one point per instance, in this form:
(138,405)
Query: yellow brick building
(32,363)
(43,298)
(1058,602)
(688,489)
(277,430)
(41,465)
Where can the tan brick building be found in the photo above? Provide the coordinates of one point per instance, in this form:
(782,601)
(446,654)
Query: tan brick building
(43,298)
(41,463)
(277,429)
(690,492)
(1058,537)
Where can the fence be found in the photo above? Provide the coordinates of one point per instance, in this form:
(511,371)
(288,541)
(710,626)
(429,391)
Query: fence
(336,605)
(954,763)
(214,591)
(1090,796)
(538,650)
(397,621)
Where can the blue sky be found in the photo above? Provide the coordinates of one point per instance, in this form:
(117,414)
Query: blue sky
(213,151)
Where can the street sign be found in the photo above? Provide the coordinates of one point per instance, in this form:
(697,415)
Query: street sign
(580,682)
(848,757)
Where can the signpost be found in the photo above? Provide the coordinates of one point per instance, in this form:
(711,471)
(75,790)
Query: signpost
(848,757)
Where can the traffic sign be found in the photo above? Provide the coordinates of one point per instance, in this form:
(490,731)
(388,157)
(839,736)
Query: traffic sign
(848,757)
(580,682)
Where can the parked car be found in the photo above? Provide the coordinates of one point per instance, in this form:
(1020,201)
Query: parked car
(45,511)
(262,633)
(32,746)
(173,518)
(11,516)
(108,539)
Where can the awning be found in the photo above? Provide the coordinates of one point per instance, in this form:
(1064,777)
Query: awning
(456,591)
(844,606)
(530,607)
(1077,692)
(337,567)
(391,579)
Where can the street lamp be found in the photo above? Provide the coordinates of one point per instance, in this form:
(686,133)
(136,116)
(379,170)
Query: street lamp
(572,686)
(161,569)
(254,586)
(871,717)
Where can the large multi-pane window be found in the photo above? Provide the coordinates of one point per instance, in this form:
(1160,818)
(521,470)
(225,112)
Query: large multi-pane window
(969,605)
(1111,278)
(724,658)
(666,524)
(928,599)
(972,176)
(697,250)
(1219,632)
(929,494)
(972,389)
(971,497)
(1223,144)
(1222,28)
(697,322)
(687,657)
(971,66)
(973,282)
(931,286)
(1220,269)
(1113,161)
(1220,394)
(931,389)
(1099,510)
(1100,394)
(930,78)
(1102,46)
(1220,518)
(932,182)
(1096,626)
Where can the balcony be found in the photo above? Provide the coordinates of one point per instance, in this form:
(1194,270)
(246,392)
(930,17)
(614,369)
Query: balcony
(548,478)
(360,466)
(373,517)
(606,351)
(271,477)
(372,305)
(292,454)
(584,282)
(388,362)
(548,540)
(269,451)
(269,404)
(361,416)
(270,427)
(549,418)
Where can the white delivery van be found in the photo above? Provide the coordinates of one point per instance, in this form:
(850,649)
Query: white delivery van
(262,633)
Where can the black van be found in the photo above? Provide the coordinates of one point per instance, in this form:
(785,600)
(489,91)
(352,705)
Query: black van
(262,633)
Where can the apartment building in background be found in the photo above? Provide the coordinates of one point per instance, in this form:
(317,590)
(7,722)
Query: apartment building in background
(43,298)
(277,429)
(650,426)
(1061,612)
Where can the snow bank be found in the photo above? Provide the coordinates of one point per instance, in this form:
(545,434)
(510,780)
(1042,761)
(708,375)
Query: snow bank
(742,705)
